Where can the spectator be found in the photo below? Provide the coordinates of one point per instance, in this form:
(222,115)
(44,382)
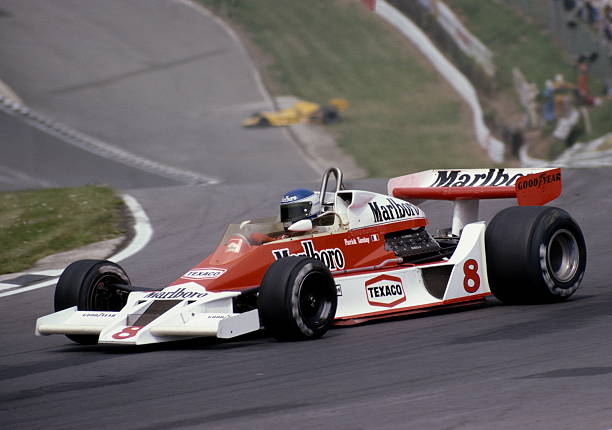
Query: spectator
(548,104)
(596,13)
(607,21)
(584,98)
(592,8)
(562,96)
(574,10)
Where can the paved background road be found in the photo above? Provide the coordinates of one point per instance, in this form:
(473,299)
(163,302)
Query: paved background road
(154,77)
(146,76)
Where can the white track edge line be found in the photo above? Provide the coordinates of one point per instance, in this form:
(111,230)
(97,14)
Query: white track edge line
(143,232)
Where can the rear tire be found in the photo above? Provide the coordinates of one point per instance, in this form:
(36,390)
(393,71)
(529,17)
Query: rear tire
(297,299)
(330,115)
(535,254)
(87,284)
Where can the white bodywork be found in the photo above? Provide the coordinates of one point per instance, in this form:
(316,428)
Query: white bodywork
(202,314)
(357,300)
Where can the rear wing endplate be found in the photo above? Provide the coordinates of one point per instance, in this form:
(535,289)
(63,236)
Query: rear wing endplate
(530,186)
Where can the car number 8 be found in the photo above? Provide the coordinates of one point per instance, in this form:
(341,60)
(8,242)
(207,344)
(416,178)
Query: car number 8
(127,332)
(471,281)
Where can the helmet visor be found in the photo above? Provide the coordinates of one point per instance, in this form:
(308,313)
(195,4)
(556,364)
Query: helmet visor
(295,211)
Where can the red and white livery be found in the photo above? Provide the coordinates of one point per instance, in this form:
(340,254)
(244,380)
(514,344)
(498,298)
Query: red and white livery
(367,255)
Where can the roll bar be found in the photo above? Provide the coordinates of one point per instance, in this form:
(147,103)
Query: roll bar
(339,185)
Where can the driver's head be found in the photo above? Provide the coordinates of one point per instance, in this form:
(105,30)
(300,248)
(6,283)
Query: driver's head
(299,204)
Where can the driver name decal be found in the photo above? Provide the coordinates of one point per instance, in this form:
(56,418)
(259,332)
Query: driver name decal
(333,258)
(385,291)
(394,210)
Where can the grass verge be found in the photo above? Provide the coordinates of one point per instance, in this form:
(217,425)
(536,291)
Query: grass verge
(38,223)
(402,117)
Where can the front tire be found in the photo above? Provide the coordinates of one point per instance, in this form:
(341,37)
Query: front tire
(535,254)
(297,299)
(89,285)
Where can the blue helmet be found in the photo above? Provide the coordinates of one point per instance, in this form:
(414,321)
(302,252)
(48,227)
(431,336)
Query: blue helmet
(299,204)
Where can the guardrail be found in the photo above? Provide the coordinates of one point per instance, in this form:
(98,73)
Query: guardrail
(494,147)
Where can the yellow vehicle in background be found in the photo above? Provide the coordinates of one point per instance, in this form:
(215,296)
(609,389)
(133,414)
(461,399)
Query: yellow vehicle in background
(301,111)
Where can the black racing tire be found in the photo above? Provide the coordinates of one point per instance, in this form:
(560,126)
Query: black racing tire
(263,122)
(535,254)
(87,284)
(297,299)
(330,115)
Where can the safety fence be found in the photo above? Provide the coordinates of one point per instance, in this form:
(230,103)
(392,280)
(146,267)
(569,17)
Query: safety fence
(441,25)
(494,147)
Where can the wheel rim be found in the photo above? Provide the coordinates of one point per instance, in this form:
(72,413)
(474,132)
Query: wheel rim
(563,256)
(315,303)
(102,296)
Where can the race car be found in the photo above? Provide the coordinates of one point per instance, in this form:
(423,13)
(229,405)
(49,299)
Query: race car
(300,111)
(359,256)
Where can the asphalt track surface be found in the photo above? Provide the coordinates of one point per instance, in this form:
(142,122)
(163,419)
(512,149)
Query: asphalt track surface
(156,78)
(491,366)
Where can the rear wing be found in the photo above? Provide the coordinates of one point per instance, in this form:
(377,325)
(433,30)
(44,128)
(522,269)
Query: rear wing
(530,186)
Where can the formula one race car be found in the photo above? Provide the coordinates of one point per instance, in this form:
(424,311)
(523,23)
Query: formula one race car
(364,256)
(300,111)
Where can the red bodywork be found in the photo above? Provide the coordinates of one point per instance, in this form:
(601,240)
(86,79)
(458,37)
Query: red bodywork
(244,265)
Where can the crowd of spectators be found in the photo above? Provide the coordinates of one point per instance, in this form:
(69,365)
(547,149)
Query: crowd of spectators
(566,102)
(559,101)
(596,13)
(559,95)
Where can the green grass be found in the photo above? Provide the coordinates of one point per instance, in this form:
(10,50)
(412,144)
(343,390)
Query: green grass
(402,115)
(34,224)
(517,41)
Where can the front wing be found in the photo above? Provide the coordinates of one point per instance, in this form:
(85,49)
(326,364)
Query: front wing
(146,320)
